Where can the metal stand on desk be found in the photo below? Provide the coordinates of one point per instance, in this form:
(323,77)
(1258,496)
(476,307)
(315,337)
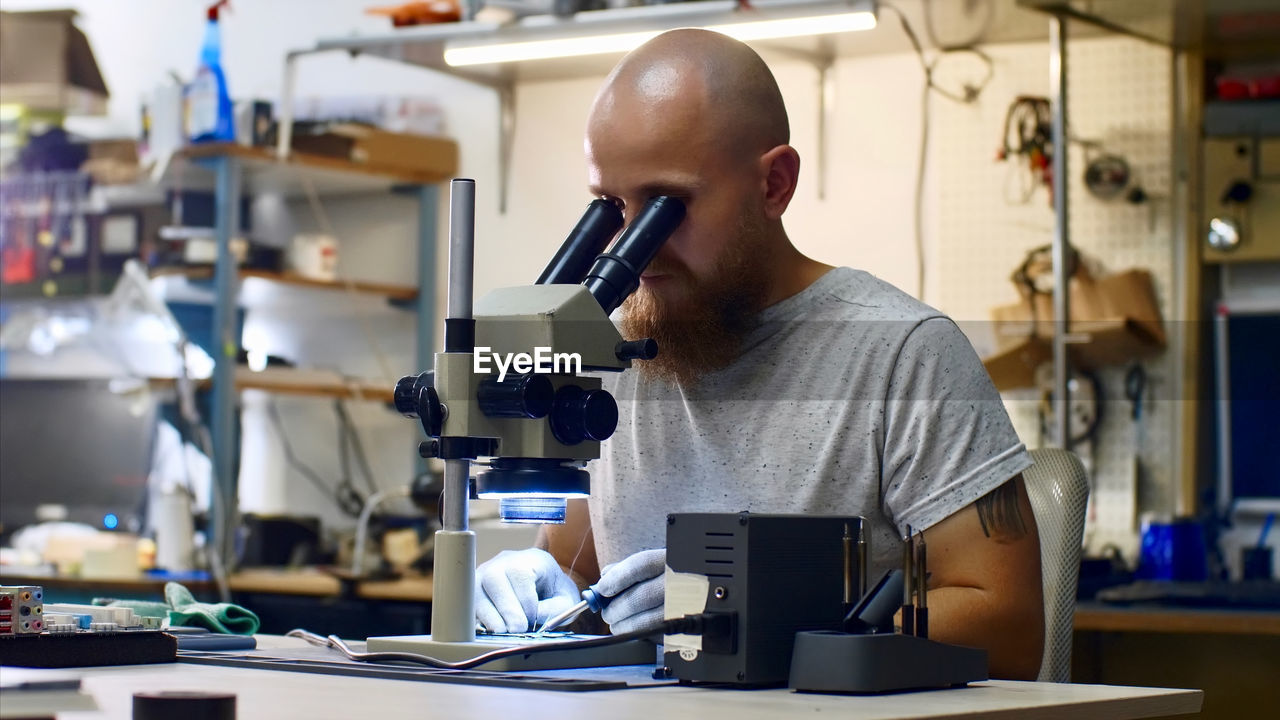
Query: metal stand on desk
(225,346)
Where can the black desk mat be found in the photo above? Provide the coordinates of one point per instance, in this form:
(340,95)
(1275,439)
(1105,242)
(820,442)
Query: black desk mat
(326,661)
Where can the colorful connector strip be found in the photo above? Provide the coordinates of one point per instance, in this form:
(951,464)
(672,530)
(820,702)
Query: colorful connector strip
(21,609)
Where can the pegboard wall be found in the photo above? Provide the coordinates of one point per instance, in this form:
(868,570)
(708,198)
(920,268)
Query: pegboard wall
(1120,99)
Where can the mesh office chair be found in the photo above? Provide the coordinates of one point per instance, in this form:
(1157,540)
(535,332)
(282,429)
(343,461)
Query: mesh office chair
(1058,488)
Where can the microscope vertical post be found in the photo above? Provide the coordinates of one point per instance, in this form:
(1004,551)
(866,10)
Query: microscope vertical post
(453,603)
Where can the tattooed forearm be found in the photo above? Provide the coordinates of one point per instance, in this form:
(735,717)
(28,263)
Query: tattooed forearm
(999,513)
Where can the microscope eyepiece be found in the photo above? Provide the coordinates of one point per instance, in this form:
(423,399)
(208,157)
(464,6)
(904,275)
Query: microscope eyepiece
(616,274)
(589,238)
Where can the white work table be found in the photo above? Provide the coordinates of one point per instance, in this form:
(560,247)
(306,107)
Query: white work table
(271,694)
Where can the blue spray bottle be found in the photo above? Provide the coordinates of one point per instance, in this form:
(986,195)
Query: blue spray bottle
(208,102)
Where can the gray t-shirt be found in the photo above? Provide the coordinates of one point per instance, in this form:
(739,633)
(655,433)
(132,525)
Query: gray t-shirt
(851,397)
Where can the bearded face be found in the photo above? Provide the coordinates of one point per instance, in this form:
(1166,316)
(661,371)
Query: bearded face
(700,323)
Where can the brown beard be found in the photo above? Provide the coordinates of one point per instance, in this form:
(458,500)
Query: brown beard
(703,329)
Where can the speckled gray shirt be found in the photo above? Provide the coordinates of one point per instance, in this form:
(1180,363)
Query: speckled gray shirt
(851,397)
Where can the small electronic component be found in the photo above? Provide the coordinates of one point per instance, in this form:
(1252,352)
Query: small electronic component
(98,618)
(33,634)
(21,609)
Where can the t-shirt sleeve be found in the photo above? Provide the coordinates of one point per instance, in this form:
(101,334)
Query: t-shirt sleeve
(947,436)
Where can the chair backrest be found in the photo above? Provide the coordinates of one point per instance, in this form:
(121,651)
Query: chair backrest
(1058,489)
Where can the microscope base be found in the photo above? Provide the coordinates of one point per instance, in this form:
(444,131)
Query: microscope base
(635,652)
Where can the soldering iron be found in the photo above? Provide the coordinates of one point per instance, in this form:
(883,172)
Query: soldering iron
(591,600)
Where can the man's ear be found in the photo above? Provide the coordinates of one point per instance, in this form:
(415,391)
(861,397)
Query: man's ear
(780,168)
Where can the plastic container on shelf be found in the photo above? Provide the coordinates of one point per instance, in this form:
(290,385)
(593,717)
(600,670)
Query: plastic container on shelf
(208,103)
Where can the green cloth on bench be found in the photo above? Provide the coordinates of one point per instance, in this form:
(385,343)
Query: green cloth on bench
(182,608)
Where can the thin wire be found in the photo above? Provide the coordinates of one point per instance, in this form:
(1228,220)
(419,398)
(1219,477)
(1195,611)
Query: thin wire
(346,499)
(357,445)
(581,544)
(969,95)
(918,206)
(344,455)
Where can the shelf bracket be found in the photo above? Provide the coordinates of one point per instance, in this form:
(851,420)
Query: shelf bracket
(284,127)
(506,140)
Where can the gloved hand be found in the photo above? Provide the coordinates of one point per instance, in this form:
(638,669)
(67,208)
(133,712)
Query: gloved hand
(518,590)
(636,584)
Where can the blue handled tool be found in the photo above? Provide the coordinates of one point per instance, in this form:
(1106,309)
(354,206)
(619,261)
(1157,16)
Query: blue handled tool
(591,600)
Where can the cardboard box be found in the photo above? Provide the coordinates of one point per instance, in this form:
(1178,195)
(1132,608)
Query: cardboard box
(1117,298)
(377,148)
(112,162)
(46,64)
(1115,318)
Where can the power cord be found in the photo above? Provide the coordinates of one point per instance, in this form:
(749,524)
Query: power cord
(347,434)
(968,94)
(704,623)
(347,498)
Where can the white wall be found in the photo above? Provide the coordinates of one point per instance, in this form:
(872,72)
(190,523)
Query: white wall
(973,237)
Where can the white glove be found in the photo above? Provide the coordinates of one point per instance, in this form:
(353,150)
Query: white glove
(518,590)
(636,584)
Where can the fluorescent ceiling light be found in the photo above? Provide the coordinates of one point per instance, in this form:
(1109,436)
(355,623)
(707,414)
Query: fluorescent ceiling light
(623,42)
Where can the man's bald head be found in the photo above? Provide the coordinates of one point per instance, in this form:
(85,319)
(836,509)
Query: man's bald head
(709,80)
(697,115)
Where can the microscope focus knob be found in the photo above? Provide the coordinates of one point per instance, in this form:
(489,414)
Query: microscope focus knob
(407,392)
(642,349)
(521,396)
(583,415)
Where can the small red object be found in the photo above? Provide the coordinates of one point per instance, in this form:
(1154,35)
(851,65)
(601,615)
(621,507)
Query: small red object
(214,8)
(1265,87)
(1230,88)
(420,13)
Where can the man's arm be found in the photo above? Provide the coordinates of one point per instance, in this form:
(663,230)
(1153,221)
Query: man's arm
(984,581)
(572,544)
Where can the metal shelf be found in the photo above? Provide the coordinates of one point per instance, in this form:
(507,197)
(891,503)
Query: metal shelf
(1220,29)
(231,170)
(424,45)
(262,171)
(402,293)
(315,383)
(280,380)
(295,381)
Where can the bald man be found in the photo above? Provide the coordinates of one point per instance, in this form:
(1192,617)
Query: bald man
(783,385)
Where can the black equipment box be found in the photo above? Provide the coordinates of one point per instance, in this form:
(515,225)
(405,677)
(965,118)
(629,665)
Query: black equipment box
(775,575)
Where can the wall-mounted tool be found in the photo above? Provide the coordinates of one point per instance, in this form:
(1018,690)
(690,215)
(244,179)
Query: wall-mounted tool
(1109,177)
(1027,142)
